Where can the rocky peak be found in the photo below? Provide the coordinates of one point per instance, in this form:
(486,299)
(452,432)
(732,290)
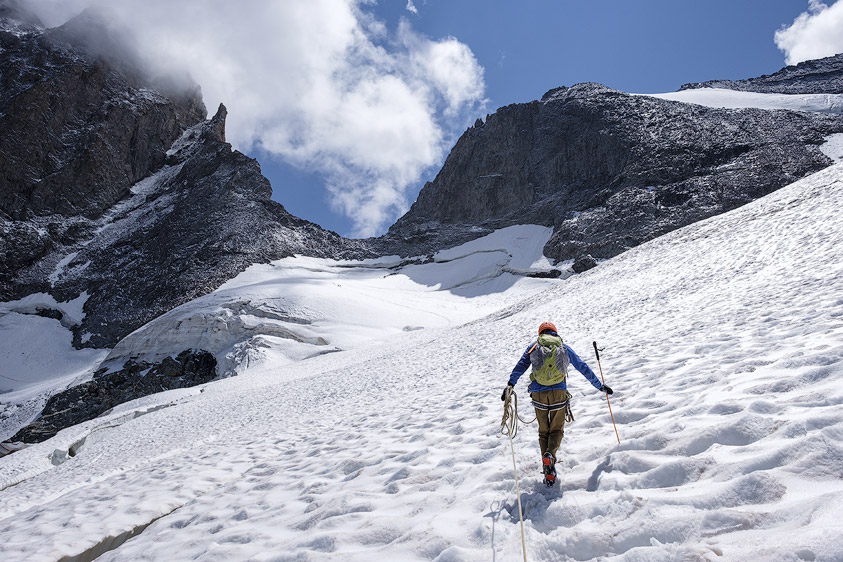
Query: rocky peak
(201,219)
(610,170)
(72,121)
(210,131)
(216,126)
(16,19)
(820,76)
(77,130)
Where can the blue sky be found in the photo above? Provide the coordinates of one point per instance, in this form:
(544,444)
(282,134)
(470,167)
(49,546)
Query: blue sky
(530,46)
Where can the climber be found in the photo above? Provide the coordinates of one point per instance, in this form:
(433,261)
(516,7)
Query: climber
(550,359)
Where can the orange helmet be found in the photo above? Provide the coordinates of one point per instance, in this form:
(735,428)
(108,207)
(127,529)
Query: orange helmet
(546,326)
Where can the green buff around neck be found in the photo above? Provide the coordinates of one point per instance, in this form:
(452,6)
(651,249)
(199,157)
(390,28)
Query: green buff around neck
(549,340)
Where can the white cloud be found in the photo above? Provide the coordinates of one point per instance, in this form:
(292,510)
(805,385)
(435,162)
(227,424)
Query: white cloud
(815,34)
(323,84)
(412,7)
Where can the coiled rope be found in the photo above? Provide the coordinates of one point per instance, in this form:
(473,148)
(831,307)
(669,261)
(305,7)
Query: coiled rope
(509,427)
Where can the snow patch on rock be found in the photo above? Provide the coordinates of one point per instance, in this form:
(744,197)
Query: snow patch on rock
(734,99)
(833,147)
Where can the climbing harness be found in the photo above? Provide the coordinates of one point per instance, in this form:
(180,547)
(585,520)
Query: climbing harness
(509,426)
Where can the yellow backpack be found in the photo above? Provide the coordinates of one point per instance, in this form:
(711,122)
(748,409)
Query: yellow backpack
(549,359)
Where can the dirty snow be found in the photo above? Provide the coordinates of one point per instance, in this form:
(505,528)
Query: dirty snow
(724,342)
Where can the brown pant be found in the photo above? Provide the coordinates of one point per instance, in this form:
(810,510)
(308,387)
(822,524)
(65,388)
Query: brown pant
(551,423)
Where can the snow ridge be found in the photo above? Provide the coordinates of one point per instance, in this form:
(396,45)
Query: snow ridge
(734,99)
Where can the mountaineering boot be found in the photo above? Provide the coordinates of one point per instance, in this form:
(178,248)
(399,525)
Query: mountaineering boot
(549,469)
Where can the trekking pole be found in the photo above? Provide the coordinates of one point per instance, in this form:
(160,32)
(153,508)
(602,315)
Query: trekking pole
(597,353)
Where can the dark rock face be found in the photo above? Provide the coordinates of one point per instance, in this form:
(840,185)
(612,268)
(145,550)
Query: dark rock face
(821,76)
(610,170)
(77,132)
(584,263)
(78,127)
(202,219)
(94,398)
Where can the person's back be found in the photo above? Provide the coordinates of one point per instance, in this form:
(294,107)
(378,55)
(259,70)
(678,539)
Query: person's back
(550,359)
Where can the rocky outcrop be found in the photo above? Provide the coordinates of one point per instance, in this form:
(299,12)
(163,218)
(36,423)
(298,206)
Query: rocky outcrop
(584,263)
(96,397)
(821,76)
(198,222)
(610,170)
(76,128)
(109,205)
(79,126)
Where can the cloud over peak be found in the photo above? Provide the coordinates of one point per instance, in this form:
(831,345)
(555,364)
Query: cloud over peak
(323,84)
(814,34)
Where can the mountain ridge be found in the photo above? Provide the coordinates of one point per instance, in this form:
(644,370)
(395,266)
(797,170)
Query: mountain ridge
(171,212)
(609,170)
(818,76)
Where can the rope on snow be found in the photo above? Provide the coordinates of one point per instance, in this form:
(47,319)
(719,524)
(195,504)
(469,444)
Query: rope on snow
(509,427)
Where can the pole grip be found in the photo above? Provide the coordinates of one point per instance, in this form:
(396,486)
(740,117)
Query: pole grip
(596,352)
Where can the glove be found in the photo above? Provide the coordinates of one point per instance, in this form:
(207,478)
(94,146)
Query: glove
(505,389)
(605,388)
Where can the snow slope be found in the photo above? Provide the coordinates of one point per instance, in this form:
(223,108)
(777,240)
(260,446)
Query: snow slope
(723,340)
(37,357)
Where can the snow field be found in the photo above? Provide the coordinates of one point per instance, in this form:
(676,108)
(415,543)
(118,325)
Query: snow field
(299,307)
(735,99)
(833,147)
(37,357)
(723,341)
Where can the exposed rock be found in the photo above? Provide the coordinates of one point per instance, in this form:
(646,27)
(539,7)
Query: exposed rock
(77,129)
(610,170)
(820,76)
(92,399)
(550,274)
(201,220)
(584,263)
(76,217)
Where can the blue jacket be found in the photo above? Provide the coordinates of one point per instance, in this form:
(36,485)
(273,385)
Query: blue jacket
(579,365)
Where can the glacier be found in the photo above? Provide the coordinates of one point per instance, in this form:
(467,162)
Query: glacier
(722,341)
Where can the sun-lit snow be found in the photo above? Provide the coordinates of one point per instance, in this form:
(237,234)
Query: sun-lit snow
(723,341)
(833,147)
(299,307)
(734,99)
(36,352)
